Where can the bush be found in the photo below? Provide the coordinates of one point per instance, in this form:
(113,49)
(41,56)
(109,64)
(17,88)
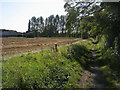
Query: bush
(111,59)
(111,67)
(81,54)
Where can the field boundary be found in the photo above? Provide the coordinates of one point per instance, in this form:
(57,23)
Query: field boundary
(7,57)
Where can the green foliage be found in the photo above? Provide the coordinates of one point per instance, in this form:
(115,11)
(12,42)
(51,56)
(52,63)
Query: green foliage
(79,17)
(95,20)
(50,27)
(110,62)
(30,34)
(106,72)
(81,54)
(45,69)
(112,59)
(101,22)
(101,44)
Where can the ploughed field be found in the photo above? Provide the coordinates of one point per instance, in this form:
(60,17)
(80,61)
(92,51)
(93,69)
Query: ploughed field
(20,45)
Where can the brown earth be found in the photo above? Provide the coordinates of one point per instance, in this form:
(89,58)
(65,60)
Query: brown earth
(20,45)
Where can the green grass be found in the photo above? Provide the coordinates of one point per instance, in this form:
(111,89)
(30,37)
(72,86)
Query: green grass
(109,77)
(110,65)
(46,69)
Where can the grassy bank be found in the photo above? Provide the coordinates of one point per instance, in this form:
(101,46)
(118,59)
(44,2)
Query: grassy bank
(111,68)
(110,64)
(47,68)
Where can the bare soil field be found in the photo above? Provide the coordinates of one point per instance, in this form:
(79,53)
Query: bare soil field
(20,45)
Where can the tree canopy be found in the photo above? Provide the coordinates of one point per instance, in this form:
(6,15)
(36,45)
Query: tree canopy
(50,27)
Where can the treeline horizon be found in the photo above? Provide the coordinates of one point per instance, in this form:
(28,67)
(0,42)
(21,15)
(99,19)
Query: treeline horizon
(52,26)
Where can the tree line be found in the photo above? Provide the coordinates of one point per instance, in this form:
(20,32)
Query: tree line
(53,26)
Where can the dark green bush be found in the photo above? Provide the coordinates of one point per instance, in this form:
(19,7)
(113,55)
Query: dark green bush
(111,71)
(81,54)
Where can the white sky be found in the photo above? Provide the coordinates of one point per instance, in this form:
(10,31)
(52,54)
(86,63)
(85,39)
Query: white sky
(15,14)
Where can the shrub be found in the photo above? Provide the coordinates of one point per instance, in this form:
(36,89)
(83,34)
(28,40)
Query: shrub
(81,54)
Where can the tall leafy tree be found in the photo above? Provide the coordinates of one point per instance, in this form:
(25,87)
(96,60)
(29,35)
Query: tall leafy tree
(29,26)
(40,24)
(76,11)
(62,25)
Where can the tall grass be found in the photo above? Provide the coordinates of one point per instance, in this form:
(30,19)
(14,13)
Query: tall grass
(46,69)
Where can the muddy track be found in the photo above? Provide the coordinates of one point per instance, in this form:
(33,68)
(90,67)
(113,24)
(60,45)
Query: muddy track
(92,78)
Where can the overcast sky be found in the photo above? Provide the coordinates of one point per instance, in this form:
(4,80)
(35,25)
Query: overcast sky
(15,14)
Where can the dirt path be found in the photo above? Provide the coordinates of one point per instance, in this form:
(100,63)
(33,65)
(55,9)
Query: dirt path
(97,81)
(92,78)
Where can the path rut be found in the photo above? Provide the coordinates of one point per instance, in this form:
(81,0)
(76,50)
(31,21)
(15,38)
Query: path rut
(92,78)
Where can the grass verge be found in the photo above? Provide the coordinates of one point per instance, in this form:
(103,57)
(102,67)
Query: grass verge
(47,68)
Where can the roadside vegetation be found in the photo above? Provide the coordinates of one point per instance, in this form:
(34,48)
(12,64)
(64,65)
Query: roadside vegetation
(100,22)
(47,68)
(109,62)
